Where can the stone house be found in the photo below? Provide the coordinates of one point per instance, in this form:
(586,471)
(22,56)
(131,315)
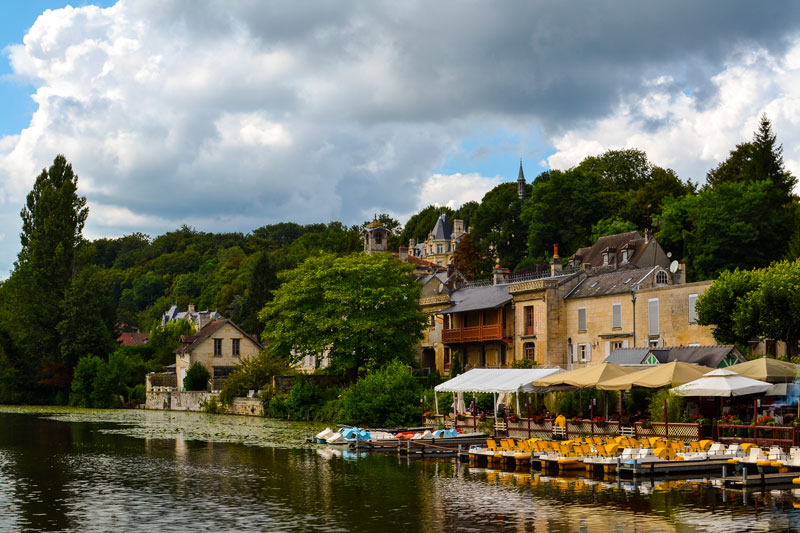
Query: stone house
(198,319)
(441,243)
(218,346)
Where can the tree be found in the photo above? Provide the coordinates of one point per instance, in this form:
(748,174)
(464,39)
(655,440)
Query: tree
(420,225)
(497,228)
(253,373)
(386,398)
(361,309)
(772,310)
(719,305)
(164,339)
(760,159)
(611,226)
(196,377)
(52,225)
(467,258)
(261,281)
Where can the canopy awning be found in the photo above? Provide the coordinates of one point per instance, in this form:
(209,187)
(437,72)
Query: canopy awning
(588,376)
(497,380)
(767,369)
(666,375)
(721,382)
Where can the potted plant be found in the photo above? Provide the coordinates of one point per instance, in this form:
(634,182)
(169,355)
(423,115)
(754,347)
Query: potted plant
(600,421)
(514,418)
(645,424)
(538,419)
(428,415)
(461,416)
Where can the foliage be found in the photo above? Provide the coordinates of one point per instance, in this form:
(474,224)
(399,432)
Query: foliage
(467,259)
(420,224)
(497,228)
(165,338)
(611,226)
(385,398)
(91,386)
(456,367)
(720,304)
(196,378)
(305,398)
(253,373)
(362,309)
(213,407)
(675,405)
(523,363)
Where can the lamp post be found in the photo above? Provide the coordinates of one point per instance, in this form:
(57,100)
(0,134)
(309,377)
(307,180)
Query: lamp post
(633,303)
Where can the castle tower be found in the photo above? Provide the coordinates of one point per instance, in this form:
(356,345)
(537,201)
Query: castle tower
(375,237)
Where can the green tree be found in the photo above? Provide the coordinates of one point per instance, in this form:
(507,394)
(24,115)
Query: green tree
(720,304)
(420,225)
(196,378)
(164,339)
(362,309)
(497,227)
(611,226)
(253,373)
(385,398)
(91,386)
(774,306)
(467,259)
(52,225)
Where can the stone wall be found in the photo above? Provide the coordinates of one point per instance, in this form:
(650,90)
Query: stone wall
(193,401)
(177,401)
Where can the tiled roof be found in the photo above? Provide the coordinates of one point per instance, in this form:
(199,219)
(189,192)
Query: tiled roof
(189,342)
(421,262)
(133,339)
(631,240)
(710,356)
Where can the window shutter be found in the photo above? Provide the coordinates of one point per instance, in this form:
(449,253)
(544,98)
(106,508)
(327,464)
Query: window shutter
(582,319)
(588,352)
(692,309)
(608,348)
(616,315)
(652,309)
(625,344)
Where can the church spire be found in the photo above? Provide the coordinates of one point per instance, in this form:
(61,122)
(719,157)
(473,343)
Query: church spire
(521,182)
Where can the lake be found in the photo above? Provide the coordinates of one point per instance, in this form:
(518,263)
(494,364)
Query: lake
(84,470)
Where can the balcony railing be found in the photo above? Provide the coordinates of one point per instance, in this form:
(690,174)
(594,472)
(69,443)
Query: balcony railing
(493,332)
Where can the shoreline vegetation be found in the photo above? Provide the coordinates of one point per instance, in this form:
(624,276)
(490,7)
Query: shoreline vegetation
(184,425)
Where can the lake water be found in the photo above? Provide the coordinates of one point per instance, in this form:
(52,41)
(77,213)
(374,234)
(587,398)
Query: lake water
(159,471)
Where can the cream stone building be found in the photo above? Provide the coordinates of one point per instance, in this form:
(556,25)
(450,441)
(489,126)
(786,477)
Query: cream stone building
(219,346)
(441,243)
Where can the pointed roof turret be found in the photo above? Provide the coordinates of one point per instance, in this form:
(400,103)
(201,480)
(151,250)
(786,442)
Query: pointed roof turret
(521,182)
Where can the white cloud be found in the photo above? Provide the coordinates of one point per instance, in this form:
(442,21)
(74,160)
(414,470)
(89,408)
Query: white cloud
(455,190)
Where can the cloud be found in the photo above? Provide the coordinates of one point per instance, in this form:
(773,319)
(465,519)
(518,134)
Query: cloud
(228,116)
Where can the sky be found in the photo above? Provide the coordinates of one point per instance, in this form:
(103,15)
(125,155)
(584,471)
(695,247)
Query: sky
(228,115)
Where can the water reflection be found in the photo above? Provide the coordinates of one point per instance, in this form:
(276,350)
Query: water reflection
(86,476)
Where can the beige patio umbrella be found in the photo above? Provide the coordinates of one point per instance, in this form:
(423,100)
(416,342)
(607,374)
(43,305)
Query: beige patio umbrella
(585,377)
(767,369)
(669,374)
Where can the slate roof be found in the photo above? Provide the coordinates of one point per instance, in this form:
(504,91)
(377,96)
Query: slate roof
(619,281)
(442,230)
(631,240)
(710,356)
(477,298)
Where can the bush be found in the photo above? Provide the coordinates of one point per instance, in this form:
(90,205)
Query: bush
(675,406)
(212,406)
(254,373)
(523,363)
(305,396)
(388,398)
(196,378)
(91,385)
(137,394)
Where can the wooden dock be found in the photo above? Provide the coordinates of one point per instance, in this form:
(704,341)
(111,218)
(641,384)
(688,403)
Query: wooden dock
(754,482)
(674,469)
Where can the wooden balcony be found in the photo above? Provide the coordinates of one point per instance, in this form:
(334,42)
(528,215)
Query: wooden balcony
(492,332)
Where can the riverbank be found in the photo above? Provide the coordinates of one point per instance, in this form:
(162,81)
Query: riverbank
(145,424)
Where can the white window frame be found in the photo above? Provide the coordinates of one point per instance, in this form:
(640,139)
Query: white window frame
(584,353)
(582,318)
(653,327)
(616,316)
(693,309)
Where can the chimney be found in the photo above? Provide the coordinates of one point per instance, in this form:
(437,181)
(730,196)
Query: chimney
(458,227)
(403,253)
(190,310)
(500,275)
(555,263)
(451,279)
(648,234)
(680,275)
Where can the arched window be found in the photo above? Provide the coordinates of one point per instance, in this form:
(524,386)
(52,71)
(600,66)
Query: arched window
(529,351)
(378,238)
(661,278)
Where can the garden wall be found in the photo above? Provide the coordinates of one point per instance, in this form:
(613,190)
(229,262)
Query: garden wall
(193,401)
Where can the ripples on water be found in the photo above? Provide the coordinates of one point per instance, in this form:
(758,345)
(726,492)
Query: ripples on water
(90,473)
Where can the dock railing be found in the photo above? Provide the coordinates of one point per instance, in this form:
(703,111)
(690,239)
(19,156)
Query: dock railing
(762,436)
(669,430)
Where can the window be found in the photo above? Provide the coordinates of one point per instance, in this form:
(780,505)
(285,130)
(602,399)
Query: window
(217,347)
(529,320)
(605,258)
(378,238)
(652,313)
(581,319)
(584,353)
(439,249)
(529,351)
(661,278)
(433,321)
(616,316)
(617,345)
(692,309)
(624,256)
(235,347)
